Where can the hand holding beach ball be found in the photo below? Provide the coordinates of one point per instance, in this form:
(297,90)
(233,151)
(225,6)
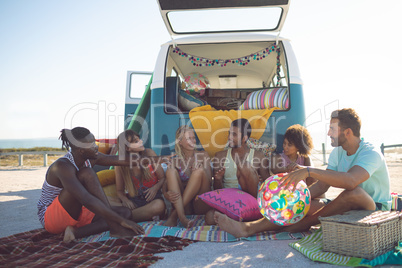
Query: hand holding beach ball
(196,84)
(283,206)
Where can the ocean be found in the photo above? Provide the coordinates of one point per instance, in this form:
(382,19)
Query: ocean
(30,143)
(375,137)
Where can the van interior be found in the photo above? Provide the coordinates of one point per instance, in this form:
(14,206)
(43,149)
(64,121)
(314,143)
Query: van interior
(231,71)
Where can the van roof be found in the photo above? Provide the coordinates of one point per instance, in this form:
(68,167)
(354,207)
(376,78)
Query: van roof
(184,17)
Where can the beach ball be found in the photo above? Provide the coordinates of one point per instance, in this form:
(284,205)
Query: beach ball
(283,206)
(196,84)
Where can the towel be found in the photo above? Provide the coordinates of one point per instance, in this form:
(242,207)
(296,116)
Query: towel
(311,247)
(212,126)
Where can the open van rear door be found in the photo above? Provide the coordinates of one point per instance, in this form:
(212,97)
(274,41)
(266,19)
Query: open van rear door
(137,98)
(184,17)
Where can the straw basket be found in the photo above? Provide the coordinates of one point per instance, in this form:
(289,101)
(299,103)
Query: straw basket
(362,233)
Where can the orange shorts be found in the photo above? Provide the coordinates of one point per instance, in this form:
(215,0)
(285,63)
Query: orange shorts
(57,218)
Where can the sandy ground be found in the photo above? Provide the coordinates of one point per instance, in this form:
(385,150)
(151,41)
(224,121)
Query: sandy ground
(20,190)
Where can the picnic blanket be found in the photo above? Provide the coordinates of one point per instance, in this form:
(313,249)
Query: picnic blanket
(311,247)
(38,248)
(199,232)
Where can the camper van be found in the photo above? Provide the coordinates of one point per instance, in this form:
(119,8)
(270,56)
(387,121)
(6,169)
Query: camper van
(223,57)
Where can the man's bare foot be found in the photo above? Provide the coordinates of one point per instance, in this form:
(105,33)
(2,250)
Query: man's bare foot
(131,225)
(126,229)
(122,232)
(231,226)
(69,234)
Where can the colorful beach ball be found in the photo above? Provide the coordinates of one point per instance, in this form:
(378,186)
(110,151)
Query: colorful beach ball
(280,206)
(196,84)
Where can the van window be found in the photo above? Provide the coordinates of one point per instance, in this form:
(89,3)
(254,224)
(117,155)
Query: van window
(230,20)
(138,84)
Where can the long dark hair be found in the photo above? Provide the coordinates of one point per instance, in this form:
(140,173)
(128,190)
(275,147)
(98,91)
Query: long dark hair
(123,140)
(69,137)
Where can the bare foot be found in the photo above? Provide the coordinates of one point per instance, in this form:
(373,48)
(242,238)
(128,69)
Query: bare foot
(190,223)
(69,234)
(126,229)
(123,232)
(185,222)
(171,221)
(209,217)
(228,225)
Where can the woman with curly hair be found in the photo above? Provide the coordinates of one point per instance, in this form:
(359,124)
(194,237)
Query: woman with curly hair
(297,145)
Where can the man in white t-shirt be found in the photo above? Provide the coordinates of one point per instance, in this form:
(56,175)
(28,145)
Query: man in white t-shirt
(354,165)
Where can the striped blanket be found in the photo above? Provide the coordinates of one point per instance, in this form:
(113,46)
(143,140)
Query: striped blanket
(199,232)
(38,248)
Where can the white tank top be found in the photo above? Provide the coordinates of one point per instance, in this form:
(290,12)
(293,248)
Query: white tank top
(230,179)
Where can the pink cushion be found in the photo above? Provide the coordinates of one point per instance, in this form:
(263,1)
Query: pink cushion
(267,98)
(235,203)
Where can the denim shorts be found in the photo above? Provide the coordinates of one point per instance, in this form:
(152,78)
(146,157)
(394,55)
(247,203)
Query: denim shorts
(141,201)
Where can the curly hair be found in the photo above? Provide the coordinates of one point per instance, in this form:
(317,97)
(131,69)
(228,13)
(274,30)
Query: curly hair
(301,138)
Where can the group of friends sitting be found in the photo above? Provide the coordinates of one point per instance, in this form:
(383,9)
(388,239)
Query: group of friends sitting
(73,201)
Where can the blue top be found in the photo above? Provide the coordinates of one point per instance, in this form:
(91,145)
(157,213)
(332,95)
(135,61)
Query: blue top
(372,160)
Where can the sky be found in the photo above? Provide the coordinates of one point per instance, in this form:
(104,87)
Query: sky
(64,63)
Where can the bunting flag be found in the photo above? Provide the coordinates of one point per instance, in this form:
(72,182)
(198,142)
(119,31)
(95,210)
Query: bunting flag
(243,61)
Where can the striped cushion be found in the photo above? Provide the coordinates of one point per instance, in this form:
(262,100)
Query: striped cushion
(267,98)
(396,202)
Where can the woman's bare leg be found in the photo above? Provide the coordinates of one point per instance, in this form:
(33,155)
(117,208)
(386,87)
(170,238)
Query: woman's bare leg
(145,213)
(174,184)
(200,207)
(197,183)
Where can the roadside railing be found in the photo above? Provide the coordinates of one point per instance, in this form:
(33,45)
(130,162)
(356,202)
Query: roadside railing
(389,146)
(44,153)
